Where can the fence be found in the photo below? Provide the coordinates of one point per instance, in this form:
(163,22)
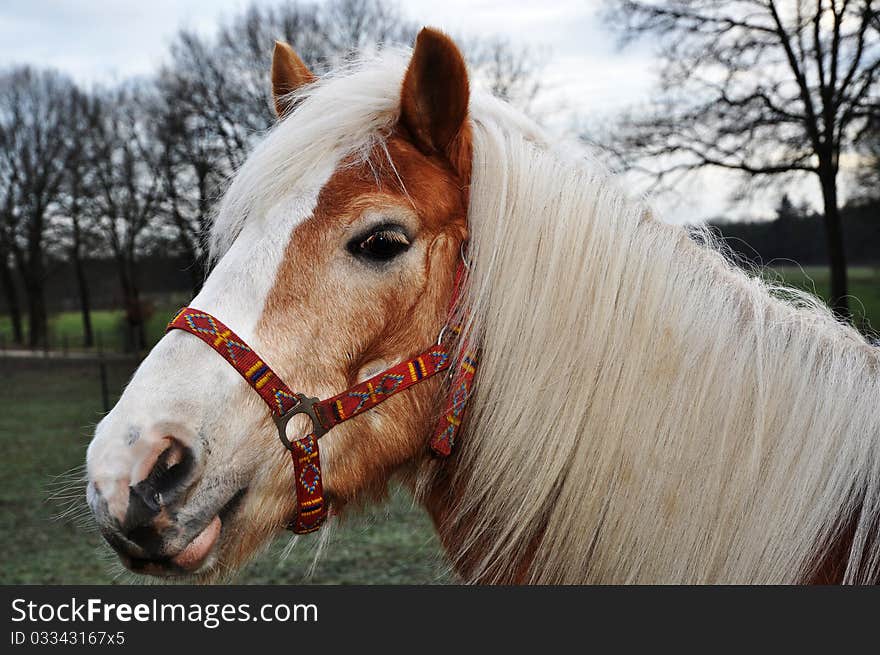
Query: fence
(104,373)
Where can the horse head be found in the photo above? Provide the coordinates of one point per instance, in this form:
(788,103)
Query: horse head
(336,249)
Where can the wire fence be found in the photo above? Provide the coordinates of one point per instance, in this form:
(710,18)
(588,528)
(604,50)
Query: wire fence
(103,366)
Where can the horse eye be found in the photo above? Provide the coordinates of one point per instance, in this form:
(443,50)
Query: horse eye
(381,245)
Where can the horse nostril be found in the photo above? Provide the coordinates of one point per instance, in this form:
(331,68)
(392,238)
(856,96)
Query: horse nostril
(172,468)
(165,480)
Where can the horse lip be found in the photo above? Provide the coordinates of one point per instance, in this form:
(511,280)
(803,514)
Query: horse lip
(197,551)
(164,566)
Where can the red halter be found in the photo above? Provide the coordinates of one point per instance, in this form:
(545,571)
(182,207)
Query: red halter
(325,414)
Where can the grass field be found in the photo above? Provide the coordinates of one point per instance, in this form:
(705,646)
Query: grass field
(66,330)
(46,418)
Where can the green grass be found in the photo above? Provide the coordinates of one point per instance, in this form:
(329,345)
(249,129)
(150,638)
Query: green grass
(66,329)
(46,418)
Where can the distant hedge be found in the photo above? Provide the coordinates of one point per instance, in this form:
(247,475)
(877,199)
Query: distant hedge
(800,238)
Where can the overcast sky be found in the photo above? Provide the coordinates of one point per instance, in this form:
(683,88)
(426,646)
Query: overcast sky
(103,41)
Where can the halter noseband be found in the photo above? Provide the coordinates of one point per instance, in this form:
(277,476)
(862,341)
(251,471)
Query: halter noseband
(326,414)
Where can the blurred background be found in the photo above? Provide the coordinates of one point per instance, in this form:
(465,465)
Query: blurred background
(121,123)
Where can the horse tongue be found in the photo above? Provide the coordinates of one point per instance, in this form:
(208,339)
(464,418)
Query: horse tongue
(191,557)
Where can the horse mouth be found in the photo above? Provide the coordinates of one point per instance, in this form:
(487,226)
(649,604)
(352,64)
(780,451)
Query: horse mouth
(195,555)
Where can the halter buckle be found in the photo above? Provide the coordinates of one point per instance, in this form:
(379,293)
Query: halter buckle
(305,405)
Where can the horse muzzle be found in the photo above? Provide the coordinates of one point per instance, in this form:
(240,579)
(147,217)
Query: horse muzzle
(143,503)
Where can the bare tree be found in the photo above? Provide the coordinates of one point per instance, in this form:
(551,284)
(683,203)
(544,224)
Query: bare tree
(33,114)
(868,178)
(213,103)
(73,218)
(7,274)
(206,89)
(192,166)
(511,72)
(760,87)
(353,26)
(127,190)
(226,78)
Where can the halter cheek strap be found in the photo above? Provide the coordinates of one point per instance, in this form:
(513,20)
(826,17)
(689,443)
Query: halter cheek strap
(325,414)
(460,391)
(462,378)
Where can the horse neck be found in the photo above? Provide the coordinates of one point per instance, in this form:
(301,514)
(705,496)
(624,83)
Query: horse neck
(676,424)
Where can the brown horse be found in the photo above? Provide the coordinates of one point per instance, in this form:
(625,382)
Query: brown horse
(643,412)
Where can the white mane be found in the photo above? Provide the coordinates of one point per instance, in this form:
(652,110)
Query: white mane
(644,412)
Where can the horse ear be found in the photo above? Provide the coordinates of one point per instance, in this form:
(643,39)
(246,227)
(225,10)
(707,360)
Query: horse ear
(434,97)
(288,74)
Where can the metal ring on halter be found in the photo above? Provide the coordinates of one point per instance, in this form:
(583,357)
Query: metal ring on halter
(305,406)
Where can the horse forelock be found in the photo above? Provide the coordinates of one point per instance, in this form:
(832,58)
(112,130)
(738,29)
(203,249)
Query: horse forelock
(342,115)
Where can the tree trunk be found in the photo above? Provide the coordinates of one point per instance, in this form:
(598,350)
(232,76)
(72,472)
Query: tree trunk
(201,259)
(82,286)
(196,268)
(135,334)
(84,301)
(196,265)
(138,330)
(38,331)
(33,272)
(12,302)
(838,300)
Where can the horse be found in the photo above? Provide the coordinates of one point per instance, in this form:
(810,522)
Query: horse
(644,411)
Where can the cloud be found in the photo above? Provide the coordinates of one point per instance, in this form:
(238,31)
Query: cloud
(100,41)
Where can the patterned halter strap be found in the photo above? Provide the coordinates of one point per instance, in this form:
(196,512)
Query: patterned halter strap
(325,414)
